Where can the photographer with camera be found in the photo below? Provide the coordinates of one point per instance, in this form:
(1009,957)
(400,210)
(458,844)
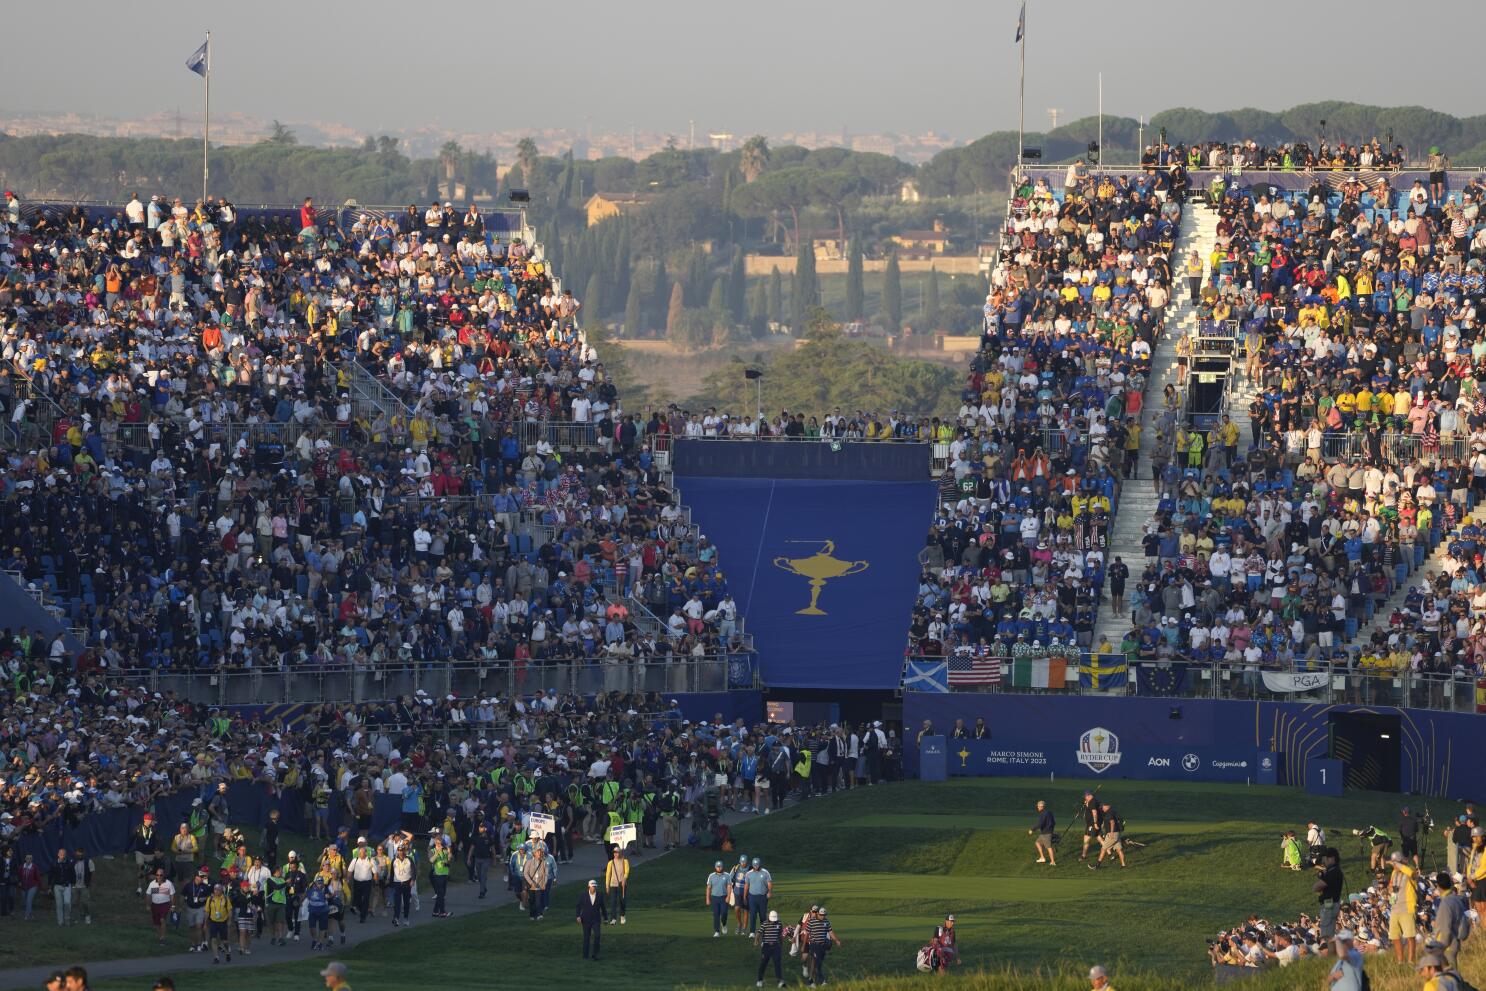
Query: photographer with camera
(1381,842)
(1328,889)
(1315,841)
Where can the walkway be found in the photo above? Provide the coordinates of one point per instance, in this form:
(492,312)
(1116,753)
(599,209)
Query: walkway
(1138,494)
(463,898)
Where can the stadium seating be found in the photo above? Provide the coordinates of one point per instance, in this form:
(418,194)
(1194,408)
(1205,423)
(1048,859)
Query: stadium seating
(265,441)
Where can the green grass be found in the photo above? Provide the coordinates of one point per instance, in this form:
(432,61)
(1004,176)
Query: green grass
(121,919)
(889,863)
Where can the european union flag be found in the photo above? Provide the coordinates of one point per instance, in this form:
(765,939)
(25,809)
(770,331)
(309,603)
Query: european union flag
(1161,679)
(200,60)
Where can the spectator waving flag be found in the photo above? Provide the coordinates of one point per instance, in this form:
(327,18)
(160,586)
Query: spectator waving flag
(1021,22)
(199,62)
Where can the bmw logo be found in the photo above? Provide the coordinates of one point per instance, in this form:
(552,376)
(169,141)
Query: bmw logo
(1191,762)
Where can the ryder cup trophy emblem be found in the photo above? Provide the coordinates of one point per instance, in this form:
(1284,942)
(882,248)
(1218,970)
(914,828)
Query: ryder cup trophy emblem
(820,568)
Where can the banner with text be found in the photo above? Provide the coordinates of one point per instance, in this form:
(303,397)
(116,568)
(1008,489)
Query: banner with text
(1294,681)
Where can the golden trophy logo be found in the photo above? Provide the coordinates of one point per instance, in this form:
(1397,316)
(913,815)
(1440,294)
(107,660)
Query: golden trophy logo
(820,568)
(964,755)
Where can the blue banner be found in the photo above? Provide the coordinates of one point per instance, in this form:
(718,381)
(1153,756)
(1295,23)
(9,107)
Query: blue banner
(1110,757)
(1098,737)
(824,572)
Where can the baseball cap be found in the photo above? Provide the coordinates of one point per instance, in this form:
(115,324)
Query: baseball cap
(773,916)
(334,969)
(1430,960)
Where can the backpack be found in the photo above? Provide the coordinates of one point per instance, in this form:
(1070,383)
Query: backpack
(1461,984)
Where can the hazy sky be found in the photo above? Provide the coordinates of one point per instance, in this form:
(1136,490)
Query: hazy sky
(765,65)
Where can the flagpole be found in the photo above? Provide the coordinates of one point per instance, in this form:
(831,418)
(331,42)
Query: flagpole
(1021,120)
(1101,119)
(206,128)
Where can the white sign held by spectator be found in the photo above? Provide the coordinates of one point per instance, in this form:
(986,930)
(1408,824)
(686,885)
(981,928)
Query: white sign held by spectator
(541,826)
(623,835)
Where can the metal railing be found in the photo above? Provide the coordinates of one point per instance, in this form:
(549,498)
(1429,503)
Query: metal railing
(1335,682)
(462,679)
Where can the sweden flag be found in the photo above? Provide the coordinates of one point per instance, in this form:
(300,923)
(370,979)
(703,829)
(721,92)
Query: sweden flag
(1102,672)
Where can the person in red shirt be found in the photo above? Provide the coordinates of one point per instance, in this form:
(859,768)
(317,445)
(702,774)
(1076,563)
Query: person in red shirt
(308,219)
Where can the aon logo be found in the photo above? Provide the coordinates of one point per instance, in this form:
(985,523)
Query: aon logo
(1158,762)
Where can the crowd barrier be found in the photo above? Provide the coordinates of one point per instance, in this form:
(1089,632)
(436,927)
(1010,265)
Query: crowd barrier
(364,683)
(1333,683)
(108,832)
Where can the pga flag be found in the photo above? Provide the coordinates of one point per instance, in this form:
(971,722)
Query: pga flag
(199,62)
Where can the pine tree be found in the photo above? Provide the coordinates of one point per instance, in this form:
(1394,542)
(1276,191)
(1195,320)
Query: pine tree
(892,297)
(855,294)
(632,317)
(737,296)
(717,299)
(776,296)
(932,312)
(675,310)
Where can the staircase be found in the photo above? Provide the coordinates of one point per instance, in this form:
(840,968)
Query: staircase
(1138,497)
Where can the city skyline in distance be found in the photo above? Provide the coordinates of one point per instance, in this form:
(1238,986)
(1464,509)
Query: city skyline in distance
(819,68)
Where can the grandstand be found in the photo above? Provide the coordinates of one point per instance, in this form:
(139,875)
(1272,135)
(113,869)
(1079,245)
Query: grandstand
(307,452)
(280,482)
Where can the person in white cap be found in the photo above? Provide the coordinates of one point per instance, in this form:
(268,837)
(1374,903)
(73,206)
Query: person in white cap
(591,913)
(1099,979)
(770,941)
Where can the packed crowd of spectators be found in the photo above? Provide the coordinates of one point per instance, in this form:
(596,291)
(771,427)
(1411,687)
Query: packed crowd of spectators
(1014,563)
(210,493)
(1250,154)
(467,776)
(1358,319)
(1405,911)
(839,424)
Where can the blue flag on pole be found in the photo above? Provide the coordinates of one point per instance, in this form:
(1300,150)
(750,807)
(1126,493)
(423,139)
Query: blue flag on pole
(198,64)
(1021,22)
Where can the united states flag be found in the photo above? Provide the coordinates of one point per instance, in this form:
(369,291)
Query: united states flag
(968,669)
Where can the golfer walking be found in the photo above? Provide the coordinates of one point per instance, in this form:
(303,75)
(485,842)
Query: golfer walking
(821,937)
(770,949)
(1044,830)
(716,897)
(760,889)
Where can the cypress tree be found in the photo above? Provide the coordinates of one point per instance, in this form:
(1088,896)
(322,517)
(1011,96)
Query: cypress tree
(855,293)
(632,317)
(892,296)
(932,312)
(737,296)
